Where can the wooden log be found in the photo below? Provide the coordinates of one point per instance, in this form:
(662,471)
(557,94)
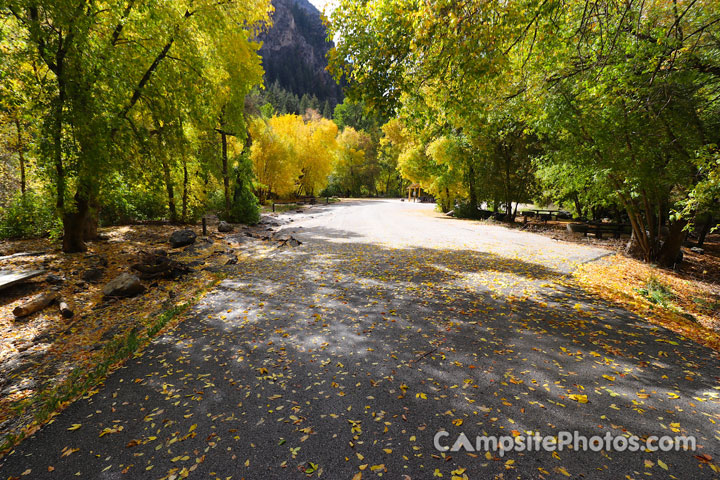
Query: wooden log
(9,278)
(22,254)
(66,308)
(36,304)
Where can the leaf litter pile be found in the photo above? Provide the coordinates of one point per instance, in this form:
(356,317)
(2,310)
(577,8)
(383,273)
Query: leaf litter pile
(342,360)
(44,355)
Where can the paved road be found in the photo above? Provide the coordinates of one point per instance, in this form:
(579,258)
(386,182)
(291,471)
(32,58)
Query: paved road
(344,357)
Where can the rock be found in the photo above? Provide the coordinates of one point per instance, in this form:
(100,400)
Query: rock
(124,285)
(697,250)
(53,279)
(159,252)
(204,244)
(294,242)
(232,261)
(93,274)
(181,238)
(97,260)
(224,227)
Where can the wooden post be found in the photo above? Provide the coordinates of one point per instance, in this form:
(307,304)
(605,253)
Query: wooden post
(327,200)
(204,222)
(273,207)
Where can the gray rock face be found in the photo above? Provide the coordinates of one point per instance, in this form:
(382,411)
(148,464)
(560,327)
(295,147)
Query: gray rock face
(295,47)
(181,238)
(225,227)
(124,285)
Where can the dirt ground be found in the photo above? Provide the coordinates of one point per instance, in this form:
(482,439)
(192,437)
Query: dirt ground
(40,352)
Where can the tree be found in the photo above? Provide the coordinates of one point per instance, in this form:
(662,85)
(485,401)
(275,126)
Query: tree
(245,207)
(121,77)
(626,92)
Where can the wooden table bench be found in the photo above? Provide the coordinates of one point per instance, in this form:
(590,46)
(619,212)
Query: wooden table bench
(598,229)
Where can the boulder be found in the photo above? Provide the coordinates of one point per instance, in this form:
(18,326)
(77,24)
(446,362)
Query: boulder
(124,285)
(224,227)
(92,274)
(181,238)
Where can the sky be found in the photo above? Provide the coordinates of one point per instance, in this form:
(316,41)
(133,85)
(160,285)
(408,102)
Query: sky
(320,4)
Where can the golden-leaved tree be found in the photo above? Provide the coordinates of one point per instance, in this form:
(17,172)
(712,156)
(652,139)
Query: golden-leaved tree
(292,155)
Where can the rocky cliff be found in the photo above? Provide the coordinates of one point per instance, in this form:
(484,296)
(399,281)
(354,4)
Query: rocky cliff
(294,51)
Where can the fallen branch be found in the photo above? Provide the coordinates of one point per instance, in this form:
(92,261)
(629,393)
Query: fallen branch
(36,304)
(66,309)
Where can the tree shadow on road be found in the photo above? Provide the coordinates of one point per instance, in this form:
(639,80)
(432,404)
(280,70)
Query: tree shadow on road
(348,351)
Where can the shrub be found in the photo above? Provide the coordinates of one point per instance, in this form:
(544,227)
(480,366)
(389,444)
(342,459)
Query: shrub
(657,293)
(245,207)
(28,216)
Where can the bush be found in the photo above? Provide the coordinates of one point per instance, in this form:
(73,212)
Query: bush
(464,210)
(245,207)
(124,203)
(29,216)
(657,293)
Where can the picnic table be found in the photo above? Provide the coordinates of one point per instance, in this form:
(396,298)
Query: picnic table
(544,214)
(599,229)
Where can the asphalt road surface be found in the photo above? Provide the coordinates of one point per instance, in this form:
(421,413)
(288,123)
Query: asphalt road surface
(344,357)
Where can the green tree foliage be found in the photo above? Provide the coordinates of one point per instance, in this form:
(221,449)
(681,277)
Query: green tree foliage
(245,207)
(624,95)
(131,89)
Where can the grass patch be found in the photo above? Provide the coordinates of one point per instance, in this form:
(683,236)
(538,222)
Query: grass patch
(657,293)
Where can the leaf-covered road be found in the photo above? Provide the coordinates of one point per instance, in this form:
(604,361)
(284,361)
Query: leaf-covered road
(343,358)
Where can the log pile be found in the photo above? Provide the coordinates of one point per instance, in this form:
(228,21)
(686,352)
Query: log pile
(159,265)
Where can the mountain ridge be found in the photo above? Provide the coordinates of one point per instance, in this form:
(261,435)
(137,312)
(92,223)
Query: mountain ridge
(294,52)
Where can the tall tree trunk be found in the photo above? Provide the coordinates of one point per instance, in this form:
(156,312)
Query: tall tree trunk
(669,253)
(508,199)
(57,143)
(578,207)
(90,228)
(21,154)
(473,193)
(226,173)
(170,189)
(185,190)
(704,231)
(74,222)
